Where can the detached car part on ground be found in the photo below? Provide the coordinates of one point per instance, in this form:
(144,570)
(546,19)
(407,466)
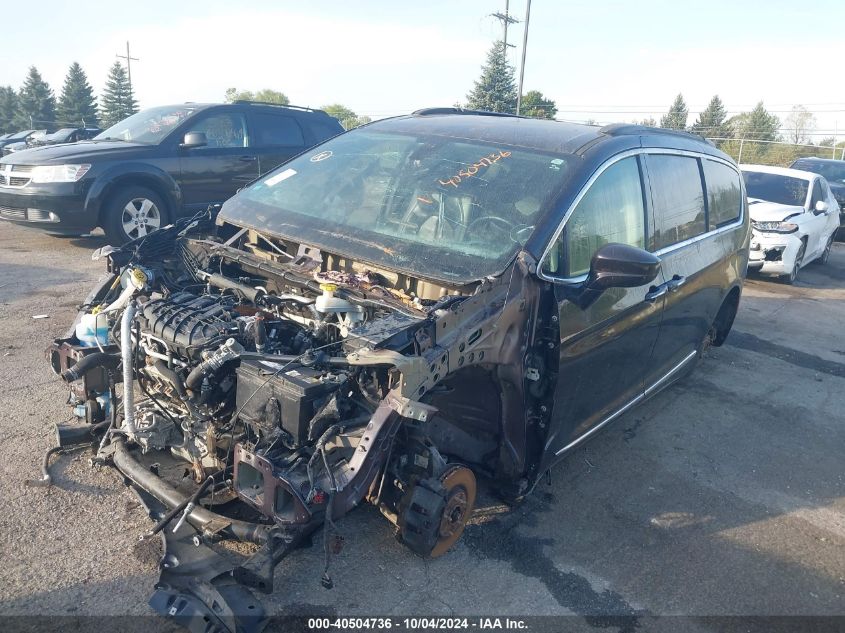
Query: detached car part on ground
(408,305)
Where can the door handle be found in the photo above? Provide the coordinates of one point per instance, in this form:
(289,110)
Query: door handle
(655,292)
(676,282)
(248,159)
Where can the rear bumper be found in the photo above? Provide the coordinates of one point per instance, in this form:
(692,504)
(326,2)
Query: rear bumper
(57,208)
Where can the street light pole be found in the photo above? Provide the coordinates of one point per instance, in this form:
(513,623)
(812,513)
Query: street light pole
(524,46)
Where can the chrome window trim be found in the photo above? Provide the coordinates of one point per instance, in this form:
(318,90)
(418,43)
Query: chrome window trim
(668,249)
(654,388)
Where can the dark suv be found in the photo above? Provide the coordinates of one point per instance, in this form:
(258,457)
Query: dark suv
(834,172)
(162,163)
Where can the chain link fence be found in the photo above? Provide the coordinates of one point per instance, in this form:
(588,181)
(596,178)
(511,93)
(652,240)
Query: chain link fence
(775,153)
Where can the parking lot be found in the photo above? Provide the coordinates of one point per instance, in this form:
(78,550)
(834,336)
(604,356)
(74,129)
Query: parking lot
(723,495)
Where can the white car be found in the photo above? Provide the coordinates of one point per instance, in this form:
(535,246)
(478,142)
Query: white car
(794,218)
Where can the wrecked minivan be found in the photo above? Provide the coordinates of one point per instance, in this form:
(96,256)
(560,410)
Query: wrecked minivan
(411,305)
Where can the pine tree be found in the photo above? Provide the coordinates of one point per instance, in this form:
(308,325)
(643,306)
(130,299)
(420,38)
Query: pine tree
(117,101)
(711,121)
(36,102)
(676,118)
(8,109)
(495,90)
(535,105)
(77,105)
(757,124)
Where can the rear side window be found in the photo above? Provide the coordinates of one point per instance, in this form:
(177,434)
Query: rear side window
(678,199)
(322,131)
(611,211)
(724,194)
(277,130)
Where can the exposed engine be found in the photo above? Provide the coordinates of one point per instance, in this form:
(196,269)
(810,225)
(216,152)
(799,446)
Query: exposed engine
(303,385)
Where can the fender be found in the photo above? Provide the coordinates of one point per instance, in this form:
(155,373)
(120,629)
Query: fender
(140,173)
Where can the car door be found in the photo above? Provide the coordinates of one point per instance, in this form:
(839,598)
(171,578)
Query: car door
(605,348)
(213,173)
(694,250)
(278,137)
(815,222)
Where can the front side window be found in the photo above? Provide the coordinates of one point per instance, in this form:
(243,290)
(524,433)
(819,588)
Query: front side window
(273,130)
(724,193)
(611,211)
(678,199)
(223,130)
(442,207)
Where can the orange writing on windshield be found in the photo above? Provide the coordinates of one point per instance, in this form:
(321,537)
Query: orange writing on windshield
(474,168)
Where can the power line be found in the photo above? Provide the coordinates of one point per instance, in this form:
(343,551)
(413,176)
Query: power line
(506,20)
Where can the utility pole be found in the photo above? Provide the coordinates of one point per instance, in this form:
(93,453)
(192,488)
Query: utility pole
(524,46)
(129,59)
(506,20)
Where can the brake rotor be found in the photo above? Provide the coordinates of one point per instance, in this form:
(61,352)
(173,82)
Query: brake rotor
(459,483)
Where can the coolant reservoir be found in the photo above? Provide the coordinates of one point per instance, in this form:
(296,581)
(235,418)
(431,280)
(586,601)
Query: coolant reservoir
(327,302)
(93,329)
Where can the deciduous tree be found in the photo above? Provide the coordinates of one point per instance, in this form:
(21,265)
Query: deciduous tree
(799,124)
(348,119)
(534,104)
(266,95)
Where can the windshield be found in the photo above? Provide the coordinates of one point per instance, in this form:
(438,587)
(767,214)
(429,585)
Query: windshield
(438,207)
(776,188)
(833,172)
(148,126)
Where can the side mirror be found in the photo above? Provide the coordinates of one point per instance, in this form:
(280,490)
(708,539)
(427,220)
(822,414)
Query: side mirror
(614,266)
(194,139)
(621,266)
(821,207)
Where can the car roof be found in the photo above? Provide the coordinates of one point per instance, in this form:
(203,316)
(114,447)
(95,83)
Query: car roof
(781,171)
(816,159)
(538,134)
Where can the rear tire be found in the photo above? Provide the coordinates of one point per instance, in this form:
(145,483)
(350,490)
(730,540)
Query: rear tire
(132,213)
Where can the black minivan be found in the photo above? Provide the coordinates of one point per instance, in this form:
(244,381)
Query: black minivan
(410,305)
(155,166)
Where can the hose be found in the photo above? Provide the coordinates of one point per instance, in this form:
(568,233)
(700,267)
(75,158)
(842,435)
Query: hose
(128,368)
(87,363)
(46,479)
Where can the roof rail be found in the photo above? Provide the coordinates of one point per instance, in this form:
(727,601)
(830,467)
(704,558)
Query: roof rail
(453,110)
(278,105)
(626,129)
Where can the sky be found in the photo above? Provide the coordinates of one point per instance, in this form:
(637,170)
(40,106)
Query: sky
(602,60)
